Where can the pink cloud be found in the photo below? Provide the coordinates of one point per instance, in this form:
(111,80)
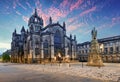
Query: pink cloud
(70,20)
(75,26)
(64,3)
(116,20)
(56,13)
(25,18)
(75,5)
(88,11)
(71,28)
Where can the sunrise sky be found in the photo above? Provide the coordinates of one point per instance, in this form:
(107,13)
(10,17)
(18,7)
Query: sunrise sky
(80,17)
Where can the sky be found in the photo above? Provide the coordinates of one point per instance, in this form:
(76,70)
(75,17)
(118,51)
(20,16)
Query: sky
(80,16)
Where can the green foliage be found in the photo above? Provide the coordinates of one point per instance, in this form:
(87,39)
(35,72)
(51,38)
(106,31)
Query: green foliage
(5,57)
(0,58)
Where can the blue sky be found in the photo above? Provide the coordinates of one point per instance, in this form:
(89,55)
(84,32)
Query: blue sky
(80,17)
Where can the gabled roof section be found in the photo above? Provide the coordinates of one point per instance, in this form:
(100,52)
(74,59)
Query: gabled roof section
(51,25)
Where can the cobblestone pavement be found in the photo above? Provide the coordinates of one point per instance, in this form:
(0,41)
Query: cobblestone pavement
(42,73)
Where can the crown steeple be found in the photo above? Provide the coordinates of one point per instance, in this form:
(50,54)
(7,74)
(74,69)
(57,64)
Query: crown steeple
(35,12)
(50,20)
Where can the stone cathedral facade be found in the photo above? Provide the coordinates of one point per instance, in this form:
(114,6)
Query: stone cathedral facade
(41,43)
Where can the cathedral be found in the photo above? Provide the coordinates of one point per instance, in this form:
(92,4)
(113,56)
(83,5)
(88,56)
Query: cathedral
(38,43)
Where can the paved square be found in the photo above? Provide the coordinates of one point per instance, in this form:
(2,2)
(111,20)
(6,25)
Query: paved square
(55,73)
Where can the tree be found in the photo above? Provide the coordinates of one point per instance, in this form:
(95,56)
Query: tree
(5,57)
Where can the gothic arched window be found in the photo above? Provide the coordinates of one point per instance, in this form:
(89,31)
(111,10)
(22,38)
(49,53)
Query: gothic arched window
(57,37)
(45,46)
(57,41)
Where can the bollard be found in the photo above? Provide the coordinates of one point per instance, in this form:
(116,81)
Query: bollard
(118,79)
(82,64)
(69,65)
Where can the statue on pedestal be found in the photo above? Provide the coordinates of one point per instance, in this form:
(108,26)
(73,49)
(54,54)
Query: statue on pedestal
(94,58)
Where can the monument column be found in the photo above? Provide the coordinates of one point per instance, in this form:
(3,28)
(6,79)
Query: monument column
(94,58)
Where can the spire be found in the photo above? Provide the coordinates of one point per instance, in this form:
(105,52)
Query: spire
(35,12)
(15,31)
(74,37)
(23,29)
(64,25)
(50,20)
(70,36)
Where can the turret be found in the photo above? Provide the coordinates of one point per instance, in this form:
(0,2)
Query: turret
(50,20)
(23,29)
(35,12)
(70,36)
(75,37)
(64,25)
(14,33)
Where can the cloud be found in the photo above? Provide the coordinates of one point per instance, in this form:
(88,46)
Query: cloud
(75,5)
(88,11)
(4,45)
(21,5)
(56,13)
(25,19)
(28,4)
(65,4)
(18,13)
(75,26)
(14,4)
(70,20)
(116,20)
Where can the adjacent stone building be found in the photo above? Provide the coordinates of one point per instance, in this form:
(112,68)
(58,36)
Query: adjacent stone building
(108,47)
(41,43)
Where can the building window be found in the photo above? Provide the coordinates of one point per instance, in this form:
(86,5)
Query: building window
(36,51)
(111,43)
(117,49)
(58,42)
(45,46)
(111,50)
(83,51)
(105,50)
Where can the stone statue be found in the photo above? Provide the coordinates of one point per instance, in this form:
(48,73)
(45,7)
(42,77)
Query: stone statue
(94,58)
(94,33)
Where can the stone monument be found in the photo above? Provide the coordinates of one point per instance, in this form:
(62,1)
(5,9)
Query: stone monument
(94,58)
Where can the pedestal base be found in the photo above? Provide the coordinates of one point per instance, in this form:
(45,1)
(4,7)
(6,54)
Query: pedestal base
(95,60)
